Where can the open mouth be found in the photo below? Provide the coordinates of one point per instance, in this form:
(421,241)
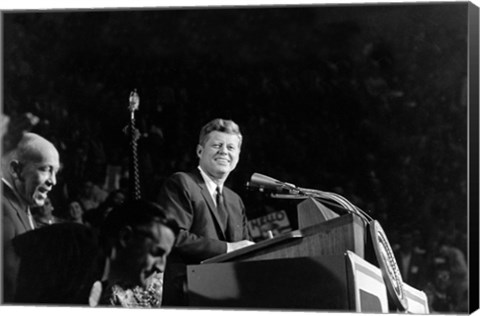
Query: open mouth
(43,190)
(42,193)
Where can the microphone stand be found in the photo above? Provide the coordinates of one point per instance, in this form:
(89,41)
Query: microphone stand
(343,202)
(325,197)
(134,102)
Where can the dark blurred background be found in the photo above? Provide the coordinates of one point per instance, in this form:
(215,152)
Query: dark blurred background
(369,101)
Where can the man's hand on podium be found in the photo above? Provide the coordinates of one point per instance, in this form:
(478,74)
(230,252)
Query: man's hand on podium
(232,246)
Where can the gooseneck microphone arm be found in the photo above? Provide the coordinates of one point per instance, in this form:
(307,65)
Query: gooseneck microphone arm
(284,189)
(340,200)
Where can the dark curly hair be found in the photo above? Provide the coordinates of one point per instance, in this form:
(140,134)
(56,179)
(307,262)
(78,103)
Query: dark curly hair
(134,213)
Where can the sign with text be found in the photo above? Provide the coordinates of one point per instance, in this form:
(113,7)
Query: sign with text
(269,226)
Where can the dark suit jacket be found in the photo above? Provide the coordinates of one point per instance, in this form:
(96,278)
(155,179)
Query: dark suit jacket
(14,222)
(415,272)
(202,234)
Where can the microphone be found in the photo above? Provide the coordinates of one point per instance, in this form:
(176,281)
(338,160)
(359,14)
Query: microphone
(287,190)
(265,183)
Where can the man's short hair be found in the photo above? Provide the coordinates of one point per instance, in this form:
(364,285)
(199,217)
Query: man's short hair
(220,125)
(134,213)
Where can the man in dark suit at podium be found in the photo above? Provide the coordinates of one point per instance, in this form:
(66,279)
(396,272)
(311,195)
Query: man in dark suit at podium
(211,216)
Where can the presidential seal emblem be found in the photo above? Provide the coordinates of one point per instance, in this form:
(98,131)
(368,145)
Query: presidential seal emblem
(388,265)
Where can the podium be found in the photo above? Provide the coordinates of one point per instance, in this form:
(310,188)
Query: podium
(332,282)
(319,266)
(311,268)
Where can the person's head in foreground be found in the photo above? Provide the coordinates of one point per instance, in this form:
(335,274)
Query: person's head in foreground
(138,236)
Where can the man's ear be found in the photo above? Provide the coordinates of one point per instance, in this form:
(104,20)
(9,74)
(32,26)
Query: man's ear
(199,150)
(125,236)
(15,169)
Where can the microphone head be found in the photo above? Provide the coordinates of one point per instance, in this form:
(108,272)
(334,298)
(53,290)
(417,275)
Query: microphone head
(264,182)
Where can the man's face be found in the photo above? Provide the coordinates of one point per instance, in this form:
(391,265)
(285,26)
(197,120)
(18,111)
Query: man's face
(145,252)
(442,279)
(220,154)
(118,199)
(75,210)
(37,177)
(88,188)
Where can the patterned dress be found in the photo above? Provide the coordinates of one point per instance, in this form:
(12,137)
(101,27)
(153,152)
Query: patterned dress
(149,296)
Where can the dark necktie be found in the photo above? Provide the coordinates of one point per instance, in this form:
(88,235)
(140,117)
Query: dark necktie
(222,213)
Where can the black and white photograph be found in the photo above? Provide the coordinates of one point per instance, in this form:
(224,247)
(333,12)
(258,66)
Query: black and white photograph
(298,157)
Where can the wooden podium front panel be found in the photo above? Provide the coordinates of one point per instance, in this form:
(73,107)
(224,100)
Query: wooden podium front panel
(315,283)
(332,237)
